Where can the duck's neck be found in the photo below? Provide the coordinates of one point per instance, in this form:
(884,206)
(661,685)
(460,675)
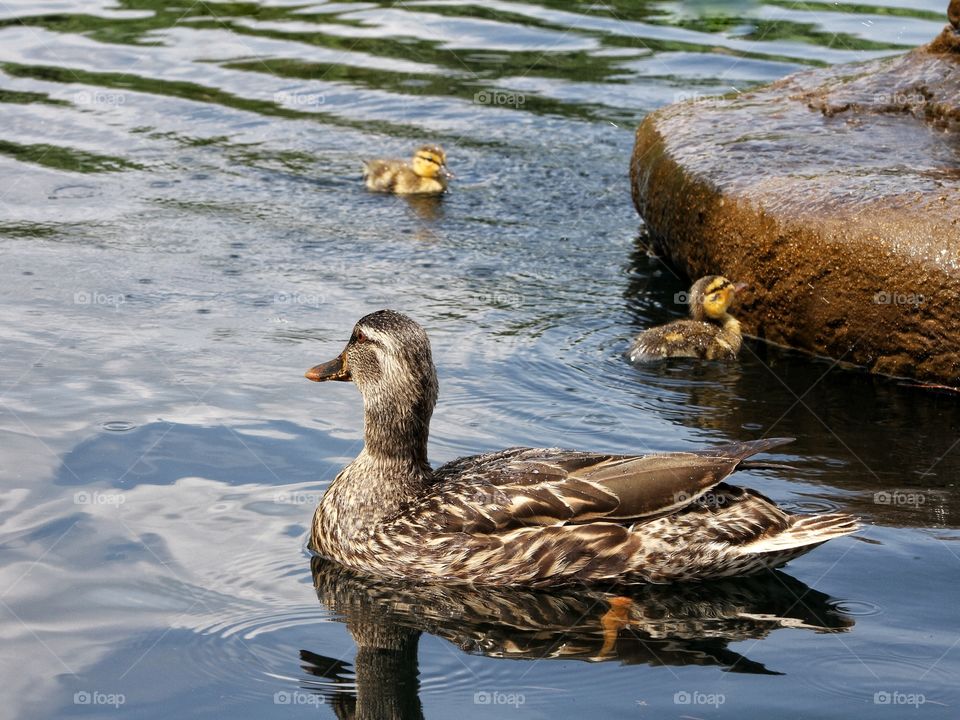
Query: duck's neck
(725,321)
(728,324)
(731,323)
(731,330)
(396,436)
(392,468)
(389,472)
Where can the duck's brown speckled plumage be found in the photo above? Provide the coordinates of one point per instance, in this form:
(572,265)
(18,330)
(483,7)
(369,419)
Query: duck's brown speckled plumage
(427,174)
(533,517)
(711,333)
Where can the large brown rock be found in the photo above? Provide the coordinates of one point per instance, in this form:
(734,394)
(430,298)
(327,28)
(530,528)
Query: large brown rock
(836,194)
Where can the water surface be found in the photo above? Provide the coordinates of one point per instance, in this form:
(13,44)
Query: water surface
(184,232)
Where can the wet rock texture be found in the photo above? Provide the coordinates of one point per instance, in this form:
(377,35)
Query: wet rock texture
(836,194)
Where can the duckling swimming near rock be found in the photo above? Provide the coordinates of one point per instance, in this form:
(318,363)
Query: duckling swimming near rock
(711,334)
(531,516)
(427,174)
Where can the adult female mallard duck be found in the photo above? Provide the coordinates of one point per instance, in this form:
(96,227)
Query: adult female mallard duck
(711,333)
(527,516)
(426,175)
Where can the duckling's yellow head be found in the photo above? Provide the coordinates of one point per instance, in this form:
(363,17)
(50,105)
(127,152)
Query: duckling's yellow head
(430,161)
(711,296)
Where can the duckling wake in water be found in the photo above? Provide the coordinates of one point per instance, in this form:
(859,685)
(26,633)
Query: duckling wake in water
(530,516)
(711,333)
(427,174)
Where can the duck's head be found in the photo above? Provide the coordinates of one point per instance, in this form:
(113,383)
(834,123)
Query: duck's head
(388,358)
(711,296)
(430,161)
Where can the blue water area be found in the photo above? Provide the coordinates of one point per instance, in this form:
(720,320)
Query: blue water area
(184,232)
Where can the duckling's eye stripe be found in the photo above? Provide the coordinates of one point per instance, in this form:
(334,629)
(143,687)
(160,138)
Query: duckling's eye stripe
(429,158)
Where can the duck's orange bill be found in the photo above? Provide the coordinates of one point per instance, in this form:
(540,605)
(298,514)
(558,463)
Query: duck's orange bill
(336,369)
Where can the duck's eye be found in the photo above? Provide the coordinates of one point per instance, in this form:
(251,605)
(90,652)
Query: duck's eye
(361,337)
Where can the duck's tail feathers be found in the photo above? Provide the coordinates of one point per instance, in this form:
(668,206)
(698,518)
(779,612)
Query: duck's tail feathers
(806,531)
(742,450)
(763,465)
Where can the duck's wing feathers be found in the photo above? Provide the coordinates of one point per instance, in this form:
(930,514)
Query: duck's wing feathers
(383,175)
(680,338)
(524,486)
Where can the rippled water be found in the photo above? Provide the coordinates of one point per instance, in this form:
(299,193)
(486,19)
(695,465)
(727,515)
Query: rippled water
(184,232)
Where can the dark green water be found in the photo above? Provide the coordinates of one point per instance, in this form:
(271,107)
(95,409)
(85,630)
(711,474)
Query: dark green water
(184,232)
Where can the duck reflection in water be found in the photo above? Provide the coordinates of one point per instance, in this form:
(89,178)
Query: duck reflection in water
(425,207)
(690,624)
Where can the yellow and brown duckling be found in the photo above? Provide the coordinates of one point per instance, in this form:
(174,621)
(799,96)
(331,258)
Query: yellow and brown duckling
(531,516)
(711,333)
(426,174)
